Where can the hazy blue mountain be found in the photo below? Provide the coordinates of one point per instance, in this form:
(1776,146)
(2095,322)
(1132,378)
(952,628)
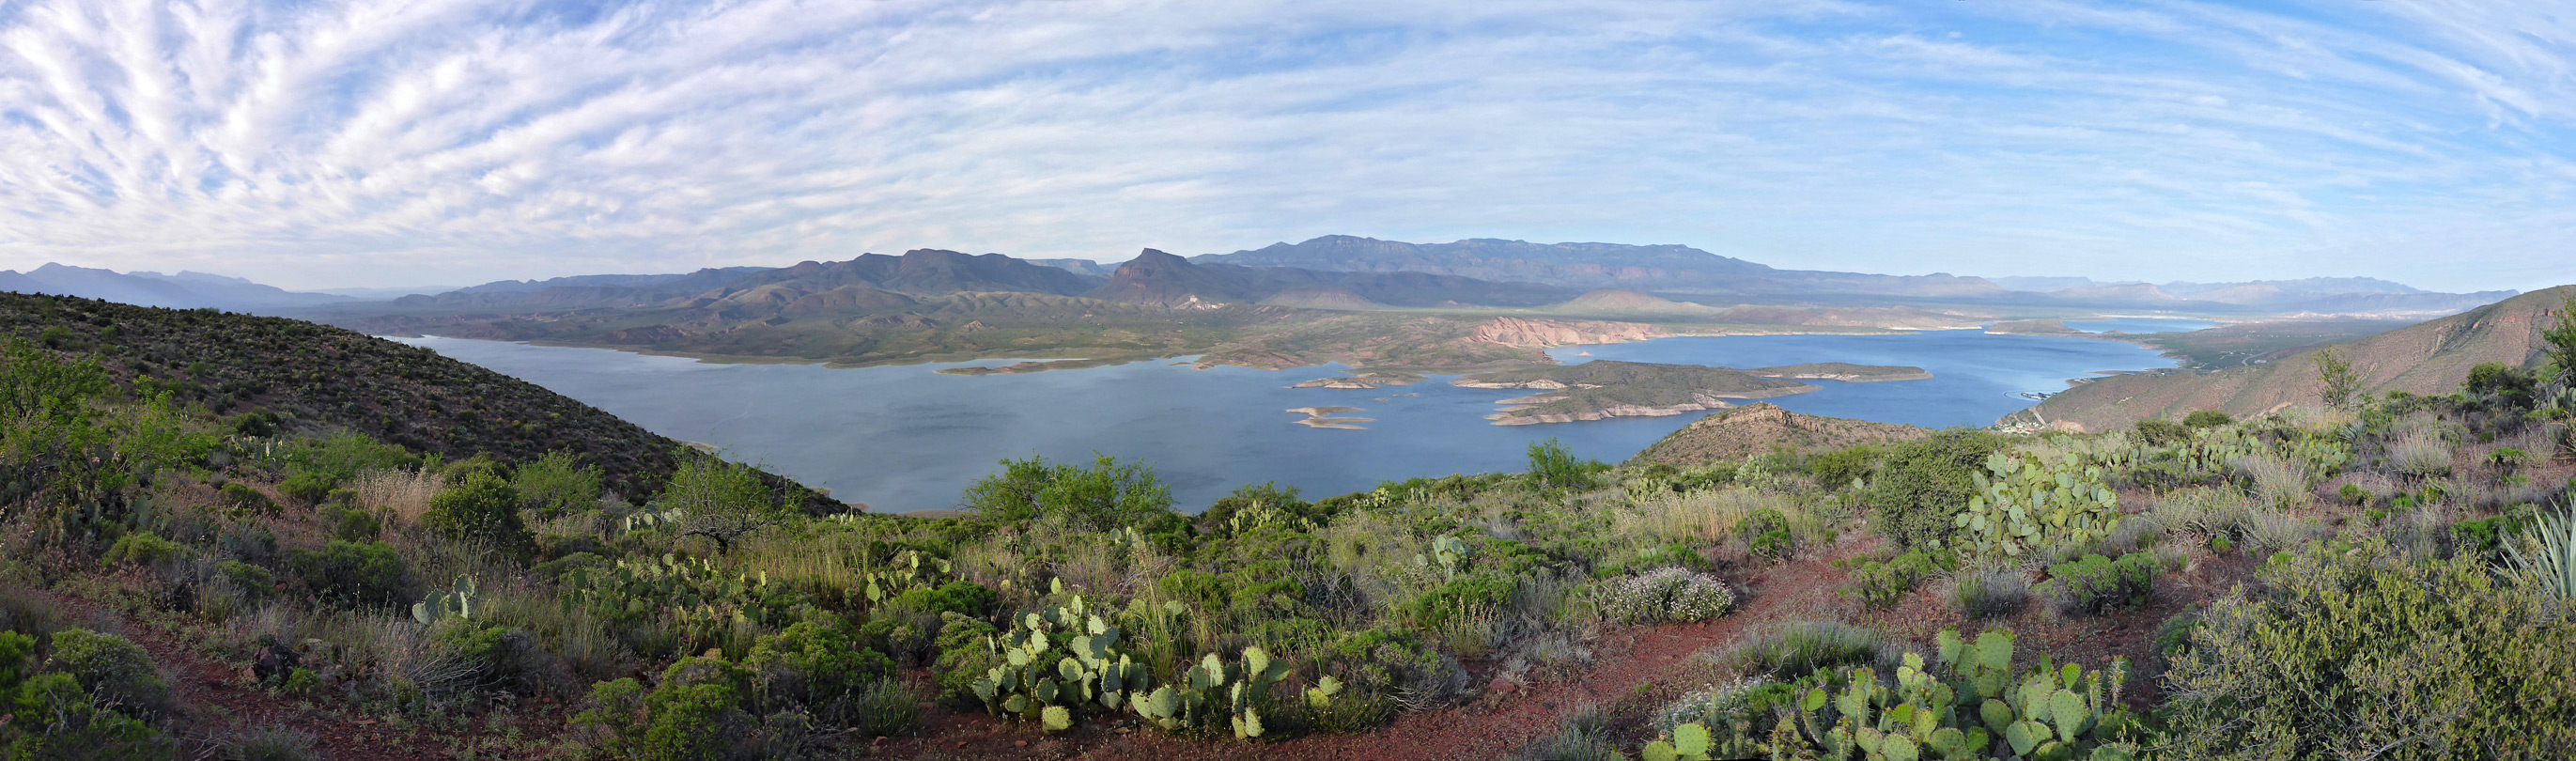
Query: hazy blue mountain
(1586,266)
(185,290)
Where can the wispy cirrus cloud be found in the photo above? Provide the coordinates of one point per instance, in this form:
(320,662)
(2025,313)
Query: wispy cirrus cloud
(328,143)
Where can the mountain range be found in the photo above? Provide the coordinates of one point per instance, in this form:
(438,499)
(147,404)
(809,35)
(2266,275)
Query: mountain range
(185,290)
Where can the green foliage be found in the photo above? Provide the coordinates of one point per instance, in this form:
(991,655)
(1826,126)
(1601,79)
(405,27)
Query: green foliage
(1989,592)
(2337,384)
(253,582)
(1972,700)
(1109,494)
(350,573)
(557,484)
(1553,466)
(2368,648)
(456,602)
(1057,662)
(1843,467)
(1880,583)
(2548,559)
(483,512)
(1921,485)
(242,499)
(1210,696)
(1766,533)
(142,548)
(1792,650)
(2354,494)
(2501,383)
(113,669)
(37,386)
(306,488)
(2207,419)
(701,711)
(2033,502)
(814,667)
(2096,584)
(697,600)
(2159,432)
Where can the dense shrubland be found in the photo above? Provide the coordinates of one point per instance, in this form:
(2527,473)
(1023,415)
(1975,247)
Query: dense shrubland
(2408,594)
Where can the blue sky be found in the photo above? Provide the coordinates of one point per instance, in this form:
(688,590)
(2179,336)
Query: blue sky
(317,143)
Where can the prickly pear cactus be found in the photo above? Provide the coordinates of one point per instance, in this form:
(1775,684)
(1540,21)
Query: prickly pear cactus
(1058,663)
(1970,705)
(2027,501)
(1211,695)
(456,602)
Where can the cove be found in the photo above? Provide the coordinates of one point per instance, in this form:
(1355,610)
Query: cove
(906,438)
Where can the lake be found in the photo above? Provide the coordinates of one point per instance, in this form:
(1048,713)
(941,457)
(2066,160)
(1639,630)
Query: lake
(905,438)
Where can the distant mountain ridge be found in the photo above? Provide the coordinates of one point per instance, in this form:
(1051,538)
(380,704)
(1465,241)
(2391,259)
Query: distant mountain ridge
(2431,357)
(185,290)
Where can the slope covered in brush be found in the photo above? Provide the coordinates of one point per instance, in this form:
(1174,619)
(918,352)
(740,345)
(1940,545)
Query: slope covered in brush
(316,376)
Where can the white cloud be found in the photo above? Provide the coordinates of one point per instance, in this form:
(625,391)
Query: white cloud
(397,142)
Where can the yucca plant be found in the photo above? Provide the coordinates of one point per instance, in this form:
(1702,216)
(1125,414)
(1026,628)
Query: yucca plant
(2551,558)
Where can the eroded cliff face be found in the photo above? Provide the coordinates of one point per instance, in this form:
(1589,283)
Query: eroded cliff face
(1516,331)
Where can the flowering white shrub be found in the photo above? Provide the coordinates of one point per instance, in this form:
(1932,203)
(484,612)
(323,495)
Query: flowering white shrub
(1665,594)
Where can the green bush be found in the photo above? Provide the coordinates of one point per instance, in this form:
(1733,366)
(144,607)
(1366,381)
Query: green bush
(252,581)
(144,549)
(1553,466)
(1840,467)
(557,484)
(354,524)
(699,712)
(964,655)
(2207,419)
(2366,649)
(241,499)
(1766,533)
(1922,484)
(482,511)
(2158,432)
(114,669)
(1880,583)
(350,573)
(816,667)
(1108,495)
(2097,584)
(2353,493)
(306,488)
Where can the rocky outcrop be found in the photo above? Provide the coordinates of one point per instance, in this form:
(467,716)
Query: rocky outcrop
(1516,331)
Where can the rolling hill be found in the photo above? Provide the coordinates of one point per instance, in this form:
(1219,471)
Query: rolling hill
(2432,357)
(1732,435)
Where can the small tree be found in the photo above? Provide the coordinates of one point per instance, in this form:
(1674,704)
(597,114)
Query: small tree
(2562,343)
(2341,387)
(1552,464)
(720,500)
(1109,494)
(482,510)
(557,484)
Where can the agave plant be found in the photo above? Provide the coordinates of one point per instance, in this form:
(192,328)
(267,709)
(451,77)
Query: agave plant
(2551,559)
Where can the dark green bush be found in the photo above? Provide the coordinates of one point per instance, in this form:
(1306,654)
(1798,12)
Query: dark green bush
(2353,493)
(350,573)
(2366,648)
(1879,584)
(964,655)
(1921,484)
(306,488)
(242,499)
(1108,495)
(1766,534)
(2097,584)
(557,484)
(2207,419)
(1840,467)
(482,511)
(353,523)
(699,712)
(114,669)
(1553,466)
(253,581)
(144,549)
(2159,432)
(816,667)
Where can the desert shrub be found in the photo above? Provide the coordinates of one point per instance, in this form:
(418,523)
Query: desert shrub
(963,655)
(557,484)
(2353,493)
(253,582)
(351,573)
(1766,533)
(2345,652)
(1921,484)
(1839,468)
(1665,594)
(1795,649)
(2205,511)
(306,488)
(2420,455)
(2159,432)
(1989,592)
(1585,735)
(1880,583)
(142,548)
(2273,532)
(815,667)
(697,713)
(482,510)
(353,524)
(1108,495)
(269,743)
(114,669)
(1553,466)
(2207,419)
(2275,481)
(241,499)
(2096,584)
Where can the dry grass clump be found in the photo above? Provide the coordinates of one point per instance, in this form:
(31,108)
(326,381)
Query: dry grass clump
(2275,481)
(1988,592)
(396,492)
(2420,454)
(2205,511)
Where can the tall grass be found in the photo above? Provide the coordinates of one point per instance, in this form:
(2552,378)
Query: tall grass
(1988,592)
(2420,454)
(1798,648)
(2275,481)
(399,493)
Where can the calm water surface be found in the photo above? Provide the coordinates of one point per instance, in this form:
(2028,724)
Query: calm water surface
(905,438)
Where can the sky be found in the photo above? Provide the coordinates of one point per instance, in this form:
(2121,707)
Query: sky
(313,143)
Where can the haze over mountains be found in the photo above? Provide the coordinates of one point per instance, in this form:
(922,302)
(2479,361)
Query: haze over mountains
(1331,272)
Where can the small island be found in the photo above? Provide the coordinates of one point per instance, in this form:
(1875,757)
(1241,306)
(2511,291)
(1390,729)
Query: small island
(2043,327)
(1363,380)
(1607,388)
(1322,417)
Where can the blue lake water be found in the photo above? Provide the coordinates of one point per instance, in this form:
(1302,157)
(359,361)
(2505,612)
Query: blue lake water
(905,438)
